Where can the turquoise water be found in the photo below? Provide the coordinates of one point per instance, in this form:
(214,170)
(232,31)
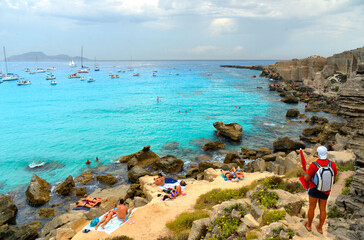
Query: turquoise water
(76,120)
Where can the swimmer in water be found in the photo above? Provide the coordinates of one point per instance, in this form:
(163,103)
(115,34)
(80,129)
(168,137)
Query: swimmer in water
(239,107)
(97,160)
(88,162)
(186,111)
(179,111)
(190,110)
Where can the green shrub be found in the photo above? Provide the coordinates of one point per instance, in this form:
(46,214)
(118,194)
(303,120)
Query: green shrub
(238,207)
(227,225)
(349,166)
(336,88)
(122,237)
(333,81)
(334,213)
(265,198)
(273,216)
(298,172)
(346,189)
(251,235)
(273,182)
(217,196)
(183,222)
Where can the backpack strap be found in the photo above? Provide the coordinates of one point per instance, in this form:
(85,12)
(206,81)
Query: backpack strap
(317,165)
(329,165)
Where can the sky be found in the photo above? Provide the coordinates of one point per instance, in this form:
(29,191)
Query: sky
(182,29)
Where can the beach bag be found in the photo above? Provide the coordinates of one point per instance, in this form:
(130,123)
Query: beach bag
(324,177)
(94,222)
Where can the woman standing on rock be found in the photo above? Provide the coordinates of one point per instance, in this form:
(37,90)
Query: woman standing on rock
(320,175)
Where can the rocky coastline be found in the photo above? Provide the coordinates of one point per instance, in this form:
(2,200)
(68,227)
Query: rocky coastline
(333,85)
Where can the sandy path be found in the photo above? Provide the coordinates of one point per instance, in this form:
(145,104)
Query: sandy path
(150,220)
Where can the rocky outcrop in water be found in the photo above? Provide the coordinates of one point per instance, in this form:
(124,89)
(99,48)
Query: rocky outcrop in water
(7,210)
(107,179)
(215,145)
(38,191)
(232,131)
(169,164)
(143,158)
(65,187)
(285,144)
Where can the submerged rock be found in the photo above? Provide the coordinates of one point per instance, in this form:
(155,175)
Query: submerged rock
(38,191)
(291,113)
(232,131)
(84,178)
(65,187)
(45,212)
(7,210)
(143,158)
(290,99)
(215,145)
(169,164)
(107,179)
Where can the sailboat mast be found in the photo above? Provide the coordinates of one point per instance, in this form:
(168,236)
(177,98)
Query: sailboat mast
(6,64)
(82,57)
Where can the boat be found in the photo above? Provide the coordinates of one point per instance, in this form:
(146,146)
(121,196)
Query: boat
(115,76)
(31,72)
(39,70)
(136,74)
(121,71)
(154,75)
(72,63)
(50,77)
(111,74)
(155,70)
(26,69)
(96,66)
(75,75)
(90,79)
(83,69)
(82,79)
(177,74)
(130,69)
(53,82)
(50,69)
(8,76)
(23,82)
(209,74)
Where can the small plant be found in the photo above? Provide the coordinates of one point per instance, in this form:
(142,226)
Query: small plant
(346,189)
(227,225)
(251,235)
(290,233)
(183,222)
(333,80)
(265,198)
(349,166)
(334,213)
(122,237)
(273,182)
(238,207)
(273,216)
(336,88)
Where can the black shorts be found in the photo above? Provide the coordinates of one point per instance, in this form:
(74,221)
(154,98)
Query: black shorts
(313,192)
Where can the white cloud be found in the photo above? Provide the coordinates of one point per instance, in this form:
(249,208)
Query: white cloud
(223,26)
(238,48)
(203,49)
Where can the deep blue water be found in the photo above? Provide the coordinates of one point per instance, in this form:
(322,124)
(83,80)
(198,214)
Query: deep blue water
(76,120)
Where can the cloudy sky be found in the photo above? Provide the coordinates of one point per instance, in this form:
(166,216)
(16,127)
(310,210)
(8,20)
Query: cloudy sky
(182,29)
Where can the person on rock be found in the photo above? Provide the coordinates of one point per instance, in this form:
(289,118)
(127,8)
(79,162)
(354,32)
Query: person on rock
(111,214)
(177,191)
(320,175)
(122,211)
(160,180)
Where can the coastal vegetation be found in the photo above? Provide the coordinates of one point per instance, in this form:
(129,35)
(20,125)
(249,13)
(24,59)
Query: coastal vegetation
(183,223)
(348,183)
(273,216)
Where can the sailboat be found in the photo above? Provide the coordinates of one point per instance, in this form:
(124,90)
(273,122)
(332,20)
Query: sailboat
(83,69)
(8,76)
(72,64)
(96,66)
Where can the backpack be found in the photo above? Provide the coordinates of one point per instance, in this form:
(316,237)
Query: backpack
(324,177)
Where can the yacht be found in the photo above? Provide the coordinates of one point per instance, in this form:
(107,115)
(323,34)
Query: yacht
(53,82)
(90,79)
(23,83)
(8,76)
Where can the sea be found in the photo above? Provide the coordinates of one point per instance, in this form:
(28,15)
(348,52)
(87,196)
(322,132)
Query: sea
(66,124)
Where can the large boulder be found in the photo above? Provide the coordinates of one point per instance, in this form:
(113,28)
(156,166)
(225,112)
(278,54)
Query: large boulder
(249,153)
(38,191)
(312,131)
(199,228)
(84,178)
(341,156)
(273,156)
(7,210)
(143,158)
(234,158)
(291,202)
(107,179)
(65,187)
(65,233)
(137,172)
(250,221)
(292,113)
(232,131)
(23,232)
(202,166)
(210,174)
(285,144)
(263,151)
(192,173)
(290,99)
(169,164)
(215,145)
(65,220)
(257,166)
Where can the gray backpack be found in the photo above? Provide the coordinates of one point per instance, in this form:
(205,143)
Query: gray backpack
(324,177)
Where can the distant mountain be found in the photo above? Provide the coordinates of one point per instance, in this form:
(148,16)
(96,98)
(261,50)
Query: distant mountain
(41,57)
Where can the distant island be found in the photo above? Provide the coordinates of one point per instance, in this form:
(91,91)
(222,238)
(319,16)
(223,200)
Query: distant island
(41,57)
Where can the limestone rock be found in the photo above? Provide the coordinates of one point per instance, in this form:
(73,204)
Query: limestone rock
(210,174)
(232,131)
(292,113)
(234,158)
(81,191)
(249,153)
(107,179)
(215,145)
(290,99)
(257,166)
(219,210)
(199,228)
(263,151)
(143,158)
(65,233)
(137,172)
(250,221)
(38,191)
(341,157)
(84,178)
(45,212)
(140,202)
(272,157)
(65,187)
(66,220)
(285,144)
(242,230)
(169,164)
(202,166)
(23,232)
(8,210)
(192,173)
(288,201)
(256,212)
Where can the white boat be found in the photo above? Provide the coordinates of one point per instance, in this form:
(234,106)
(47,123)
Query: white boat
(177,74)
(50,77)
(8,76)
(90,79)
(23,83)
(53,82)
(97,68)
(83,69)
(72,63)
(50,69)
(39,70)
(154,75)
(26,69)
(136,74)
(36,165)
(82,79)
(75,75)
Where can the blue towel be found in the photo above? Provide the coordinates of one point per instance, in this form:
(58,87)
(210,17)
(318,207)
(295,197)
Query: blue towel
(170,180)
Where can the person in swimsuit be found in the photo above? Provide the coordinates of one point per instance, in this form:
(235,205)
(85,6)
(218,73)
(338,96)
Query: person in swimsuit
(122,211)
(239,173)
(88,162)
(111,214)
(84,204)
(160,180)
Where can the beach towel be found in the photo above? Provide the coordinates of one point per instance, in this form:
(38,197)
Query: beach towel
(81,208)
(171,185)
(170,180)
(111,226)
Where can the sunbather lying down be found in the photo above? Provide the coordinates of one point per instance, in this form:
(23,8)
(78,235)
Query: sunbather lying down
(89,202)
(233,173)
(105,219)
(160,180)
(177,191)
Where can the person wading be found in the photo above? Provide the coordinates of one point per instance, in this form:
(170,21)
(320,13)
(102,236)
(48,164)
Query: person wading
(321,175)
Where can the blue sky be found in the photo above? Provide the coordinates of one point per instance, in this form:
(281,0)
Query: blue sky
(182,29)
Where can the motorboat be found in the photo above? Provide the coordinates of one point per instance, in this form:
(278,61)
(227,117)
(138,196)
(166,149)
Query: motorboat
(53,82)
(209,74)
(23,82)
(136,74)
(82,79)
(177,74)
(115,76)
(82,70)
(50,77)
(90,79)
(121,71)
(26,69)
(97,68)
(154,75)
(75,75)
(39,70)
(50,69)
